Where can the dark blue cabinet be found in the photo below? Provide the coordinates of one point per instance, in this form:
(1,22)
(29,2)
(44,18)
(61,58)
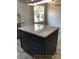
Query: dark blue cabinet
(36,45)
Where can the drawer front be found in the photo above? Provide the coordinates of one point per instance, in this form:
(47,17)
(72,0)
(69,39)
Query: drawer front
(24,34)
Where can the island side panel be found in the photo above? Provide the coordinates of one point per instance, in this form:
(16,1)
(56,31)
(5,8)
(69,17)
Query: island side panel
(51,43)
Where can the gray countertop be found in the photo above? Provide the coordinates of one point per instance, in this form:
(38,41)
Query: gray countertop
(39,29)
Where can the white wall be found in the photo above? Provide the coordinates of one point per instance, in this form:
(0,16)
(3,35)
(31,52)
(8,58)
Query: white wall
(26,12)
(54,15)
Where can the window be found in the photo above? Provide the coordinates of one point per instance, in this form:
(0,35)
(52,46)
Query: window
(38,14)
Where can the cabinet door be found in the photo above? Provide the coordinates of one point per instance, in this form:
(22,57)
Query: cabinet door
(36,42)
(37,45)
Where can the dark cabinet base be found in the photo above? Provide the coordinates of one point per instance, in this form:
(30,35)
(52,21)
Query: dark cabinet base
(35,45)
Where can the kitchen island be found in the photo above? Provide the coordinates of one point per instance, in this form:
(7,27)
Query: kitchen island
(38,39)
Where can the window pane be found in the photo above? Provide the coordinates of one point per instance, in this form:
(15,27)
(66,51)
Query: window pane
(38,13)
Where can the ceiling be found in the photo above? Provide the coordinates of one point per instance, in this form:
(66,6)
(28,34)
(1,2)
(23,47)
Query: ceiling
(29,1)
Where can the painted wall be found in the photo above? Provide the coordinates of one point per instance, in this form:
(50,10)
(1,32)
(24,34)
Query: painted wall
(54,15)
(26,13)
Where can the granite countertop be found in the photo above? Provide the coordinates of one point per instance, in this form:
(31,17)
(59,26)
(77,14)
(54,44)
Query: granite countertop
(39,29)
